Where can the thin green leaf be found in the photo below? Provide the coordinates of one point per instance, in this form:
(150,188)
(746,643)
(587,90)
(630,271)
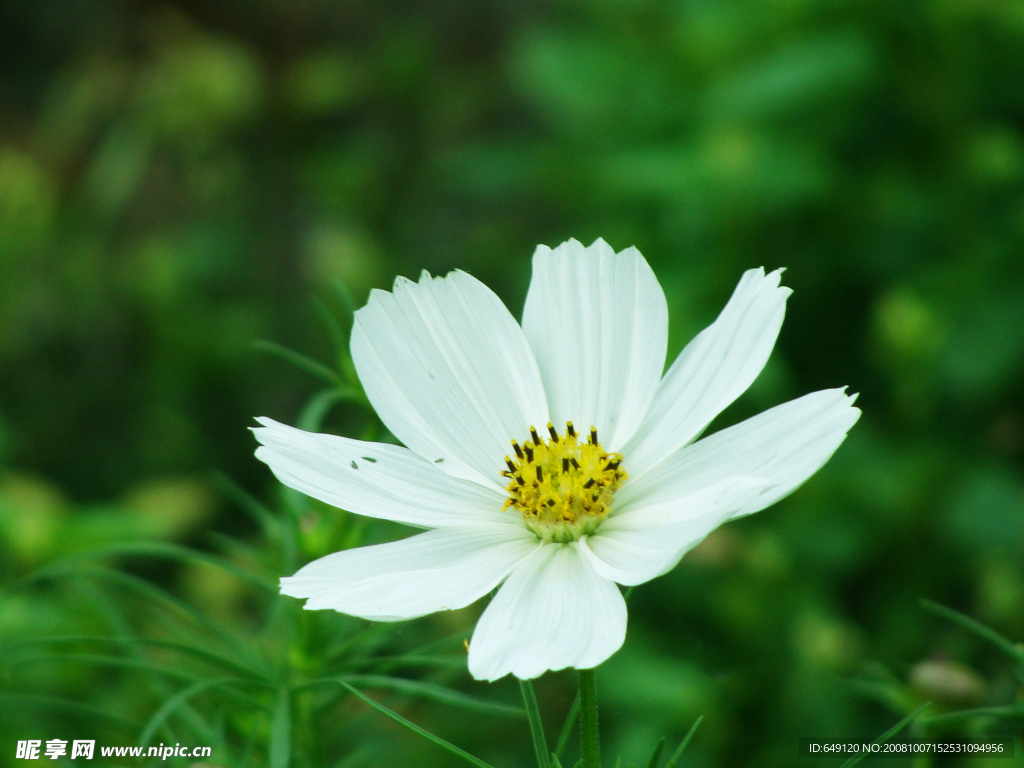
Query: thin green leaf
(555,762)
(156,549)
(540,744)
(178,700)
(655,760)
(567,728)
(316,409)
(414,660)
(338,336)
(417,729)
(245,501)
(1007,646)
(119,662)
(115,617)
(889,734)
(346,300)
(280,748)
(359,646)
(1012,711)
(162,597)
(684,743)
(300,361)
(55,702)
(423,690)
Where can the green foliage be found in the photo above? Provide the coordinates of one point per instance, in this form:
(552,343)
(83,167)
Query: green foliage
(178,181)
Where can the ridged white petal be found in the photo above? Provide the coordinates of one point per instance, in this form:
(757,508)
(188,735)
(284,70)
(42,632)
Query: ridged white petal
(438,570)
(644,542)
(449,371)
(783,446)
(712,371)
(598,325)
(375,479)
(553,612)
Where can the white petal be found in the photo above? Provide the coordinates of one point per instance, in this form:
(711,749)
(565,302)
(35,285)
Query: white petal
(712,371)
(553,612)
(598,325)
(375,479)
(643,542)
(438,570)
(783,446)
(449,372)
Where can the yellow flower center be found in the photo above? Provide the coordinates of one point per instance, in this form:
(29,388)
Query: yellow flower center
(562,485)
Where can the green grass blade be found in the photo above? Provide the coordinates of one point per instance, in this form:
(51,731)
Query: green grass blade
(339,338)
(684,743)
(56,702)
(347,302)
(1013,711)
(423,690)
(183,648)
(540,744)
(241,498)
(655,760)
(889,734)
(97,659)
(166,599)
(316,409)
(177,700)
(151,549)
(280,748)
(415,660)
(567,728)
(472,759)
(975,627)
(300,361)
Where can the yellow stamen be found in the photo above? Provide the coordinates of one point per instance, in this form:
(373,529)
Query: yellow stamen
(562,486)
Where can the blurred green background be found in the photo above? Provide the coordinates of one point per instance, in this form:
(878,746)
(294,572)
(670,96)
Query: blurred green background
(180,180)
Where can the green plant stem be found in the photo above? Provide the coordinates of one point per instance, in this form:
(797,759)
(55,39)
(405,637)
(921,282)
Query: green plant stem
(570,723)
(540,745)
(590,742)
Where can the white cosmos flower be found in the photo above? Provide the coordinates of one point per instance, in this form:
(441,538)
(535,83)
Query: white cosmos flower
(556,515)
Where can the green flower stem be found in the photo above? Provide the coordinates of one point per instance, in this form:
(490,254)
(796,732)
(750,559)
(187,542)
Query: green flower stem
(589,738)
(536,725)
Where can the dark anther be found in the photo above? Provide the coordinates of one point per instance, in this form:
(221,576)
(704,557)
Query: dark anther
(529,452)
(554,435)
(540,475)
(593,435)
(589,483)
(520,480)
(511,466)
(535,436)
(519,451)
(575,463)
(595,497)
(565,466)
(612,464)
(550,502)
(570,430)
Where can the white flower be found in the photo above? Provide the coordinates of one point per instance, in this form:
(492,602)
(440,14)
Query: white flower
(559,514)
